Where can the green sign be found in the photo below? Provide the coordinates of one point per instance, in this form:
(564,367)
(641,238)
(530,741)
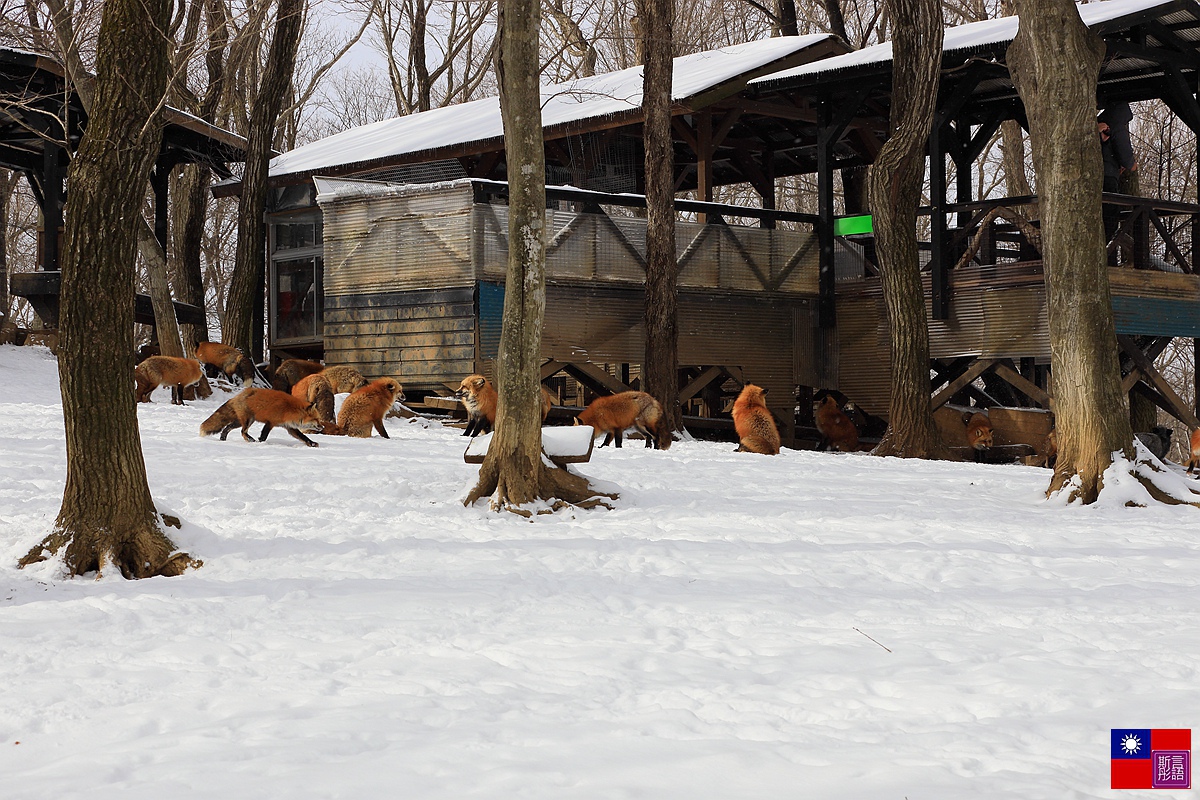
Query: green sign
(848,226)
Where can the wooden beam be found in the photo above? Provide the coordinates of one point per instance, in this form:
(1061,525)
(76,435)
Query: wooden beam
(972,372)
(704,160)
(1023,384)
(777,111)
(594,378)
(703,379)
(1142,362)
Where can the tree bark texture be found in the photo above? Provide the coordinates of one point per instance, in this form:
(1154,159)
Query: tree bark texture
(514,473)
(660,370)
(107,516)
(1055,62)
(187,238)
(165,323)
(895,180)
(1013,146)
(247,280)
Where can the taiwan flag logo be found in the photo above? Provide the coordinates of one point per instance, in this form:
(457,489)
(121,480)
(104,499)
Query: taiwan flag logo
(1151,758)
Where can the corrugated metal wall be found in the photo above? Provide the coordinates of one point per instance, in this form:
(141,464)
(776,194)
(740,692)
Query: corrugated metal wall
(598,247)
(1005,322)
(414,289)
(400,241)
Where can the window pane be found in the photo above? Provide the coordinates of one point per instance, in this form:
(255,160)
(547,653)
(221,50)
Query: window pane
(295,235)
(296,301)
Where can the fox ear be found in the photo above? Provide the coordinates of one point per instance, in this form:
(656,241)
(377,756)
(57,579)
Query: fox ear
(479,384)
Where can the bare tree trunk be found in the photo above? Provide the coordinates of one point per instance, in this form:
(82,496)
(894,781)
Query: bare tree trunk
(1013,146)
(661,314)
(190,188)
(147,246)
(166,325)
(895,182)
(833,10)
(247,281)
(107,516)
(1055,61)
(191,203)
(514,473)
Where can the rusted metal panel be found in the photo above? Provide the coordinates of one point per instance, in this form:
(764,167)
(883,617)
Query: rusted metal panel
(864,353)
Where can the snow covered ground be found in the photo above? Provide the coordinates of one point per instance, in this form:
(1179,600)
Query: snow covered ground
(741,626)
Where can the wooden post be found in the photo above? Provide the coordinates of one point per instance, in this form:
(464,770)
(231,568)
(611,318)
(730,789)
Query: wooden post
(963,163)
(826,304)
(52,205)
(939,267)
(768,188)
(704,165)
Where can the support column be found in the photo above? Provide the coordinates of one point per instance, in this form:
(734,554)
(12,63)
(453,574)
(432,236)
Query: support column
(52,205)
(938,239)
(826,303)
(704,165)
(963,178)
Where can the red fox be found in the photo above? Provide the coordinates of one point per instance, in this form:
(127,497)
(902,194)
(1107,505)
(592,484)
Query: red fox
(1194,452)
(481,400)
(158,371)
(979,433)
(1048,456)
(344,379)
(267,406)
(227,359)
(836,429)
(753,422)
(613,414)
(367,406)
(289,373)
(315,391)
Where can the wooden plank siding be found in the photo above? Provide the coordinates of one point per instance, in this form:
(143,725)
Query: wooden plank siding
(421,338)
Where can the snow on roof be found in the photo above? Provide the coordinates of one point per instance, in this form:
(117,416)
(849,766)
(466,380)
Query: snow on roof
(606,95)
(967,37)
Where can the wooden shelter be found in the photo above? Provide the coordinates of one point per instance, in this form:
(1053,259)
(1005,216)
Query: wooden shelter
(41,122)
(804,310)
(986,301)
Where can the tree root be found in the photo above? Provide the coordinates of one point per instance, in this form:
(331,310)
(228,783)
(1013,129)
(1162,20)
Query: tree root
(556,486)
(138,552)
(1144,471)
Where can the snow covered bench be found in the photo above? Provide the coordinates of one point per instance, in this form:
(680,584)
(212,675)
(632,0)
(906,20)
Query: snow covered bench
(562,445)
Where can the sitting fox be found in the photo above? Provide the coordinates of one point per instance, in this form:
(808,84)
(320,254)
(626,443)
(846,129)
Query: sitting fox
(229,360)
(753,422)
(267,406)
(158,371)
(611,415)
(835,426)
(481,400)
(979,434)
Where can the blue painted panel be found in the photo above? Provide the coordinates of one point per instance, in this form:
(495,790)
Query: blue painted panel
(491,318)
(1153,316)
